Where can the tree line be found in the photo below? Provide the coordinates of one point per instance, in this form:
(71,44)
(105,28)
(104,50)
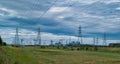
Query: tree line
(2,43)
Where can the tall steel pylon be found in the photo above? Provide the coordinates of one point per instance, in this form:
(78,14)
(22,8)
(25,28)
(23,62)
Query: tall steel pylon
(39,37)
(17,42)
(22,42)
(104,39)
(80,40)
(51,42)
(97,40)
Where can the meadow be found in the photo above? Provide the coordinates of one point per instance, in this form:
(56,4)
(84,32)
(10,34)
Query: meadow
(36,55)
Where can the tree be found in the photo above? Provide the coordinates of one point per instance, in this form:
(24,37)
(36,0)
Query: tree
(4,43)
(1,42)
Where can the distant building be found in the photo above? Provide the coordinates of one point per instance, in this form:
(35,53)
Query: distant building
(114,44)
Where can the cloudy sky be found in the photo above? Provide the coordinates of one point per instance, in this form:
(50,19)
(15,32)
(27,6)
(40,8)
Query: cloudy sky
(59,19)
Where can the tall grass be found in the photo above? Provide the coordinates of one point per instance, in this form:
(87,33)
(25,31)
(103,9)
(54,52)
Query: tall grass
(34,55)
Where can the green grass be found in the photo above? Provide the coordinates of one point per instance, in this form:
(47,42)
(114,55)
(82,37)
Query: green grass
(31,55)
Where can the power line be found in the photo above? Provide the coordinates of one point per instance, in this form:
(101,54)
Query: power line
(39,30)
(48,8)
(69,5)
(52,6)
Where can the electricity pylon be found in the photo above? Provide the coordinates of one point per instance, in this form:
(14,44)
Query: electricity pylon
(17,41)
(39,37)
(80,35)
(104,39)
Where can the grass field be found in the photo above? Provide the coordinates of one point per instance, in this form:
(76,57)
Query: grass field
(31,55)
